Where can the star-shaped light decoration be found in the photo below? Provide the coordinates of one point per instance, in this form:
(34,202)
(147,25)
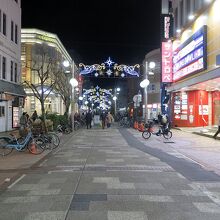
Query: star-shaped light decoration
(109,72)
(109,62)
(96,74)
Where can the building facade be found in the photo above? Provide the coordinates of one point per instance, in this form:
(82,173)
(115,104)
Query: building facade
(31,40)
(12,93)
(195,90)
(152,95)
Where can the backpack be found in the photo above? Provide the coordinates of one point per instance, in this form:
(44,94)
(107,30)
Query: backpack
(164,119)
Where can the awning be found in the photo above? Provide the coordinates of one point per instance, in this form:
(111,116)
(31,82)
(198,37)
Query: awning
(11,88)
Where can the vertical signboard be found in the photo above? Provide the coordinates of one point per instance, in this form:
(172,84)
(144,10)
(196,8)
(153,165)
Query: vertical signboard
(167,62)
(166,27)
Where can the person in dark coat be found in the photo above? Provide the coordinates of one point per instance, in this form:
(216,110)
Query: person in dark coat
(159,118)
(88,120)
(103,119)
(34,116)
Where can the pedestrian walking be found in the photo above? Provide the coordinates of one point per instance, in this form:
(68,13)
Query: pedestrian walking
(88,119)
(103,119)
(34,116)
(218,131)
(109,120)
(23,124)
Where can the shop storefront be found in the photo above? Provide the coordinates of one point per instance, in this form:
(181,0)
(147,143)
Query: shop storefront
(11,103)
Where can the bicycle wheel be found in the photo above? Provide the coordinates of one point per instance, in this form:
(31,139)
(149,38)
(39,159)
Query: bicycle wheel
(36,145)
(53,139)
(4,150)
(167,134)
(146,134)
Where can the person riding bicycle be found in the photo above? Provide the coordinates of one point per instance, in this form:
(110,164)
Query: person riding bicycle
(163,124)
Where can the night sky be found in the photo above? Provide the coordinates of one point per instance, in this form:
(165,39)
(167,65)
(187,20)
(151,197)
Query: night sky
(93,30)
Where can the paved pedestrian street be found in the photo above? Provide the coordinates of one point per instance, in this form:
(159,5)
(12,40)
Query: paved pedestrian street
(111,175)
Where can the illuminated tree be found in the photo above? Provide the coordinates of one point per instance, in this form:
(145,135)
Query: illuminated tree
(45,68)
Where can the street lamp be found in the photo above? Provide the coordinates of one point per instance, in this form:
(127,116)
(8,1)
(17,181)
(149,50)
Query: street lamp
(144,84)
(66,63)
(115,99)
(73,83)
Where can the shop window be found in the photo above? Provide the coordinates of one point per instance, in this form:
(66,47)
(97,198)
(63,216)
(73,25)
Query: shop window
(2,111)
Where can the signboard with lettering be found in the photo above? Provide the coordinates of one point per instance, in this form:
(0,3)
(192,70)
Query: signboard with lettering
(191,56)
(167,61)
(166,26)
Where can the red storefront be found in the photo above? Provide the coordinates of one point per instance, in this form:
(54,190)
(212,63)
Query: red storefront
(195,108)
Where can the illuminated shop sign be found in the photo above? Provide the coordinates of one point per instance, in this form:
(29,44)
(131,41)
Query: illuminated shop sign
(167,26)
(46,38)
(190,57)
(166,61)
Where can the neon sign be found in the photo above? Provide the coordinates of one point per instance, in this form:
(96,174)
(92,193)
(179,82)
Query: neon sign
(191,56)
(166,61)
(167,26)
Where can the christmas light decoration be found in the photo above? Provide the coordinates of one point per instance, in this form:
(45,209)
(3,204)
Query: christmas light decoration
(109,69)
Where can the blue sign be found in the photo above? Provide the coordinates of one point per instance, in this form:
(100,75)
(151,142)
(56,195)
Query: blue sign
(191,56)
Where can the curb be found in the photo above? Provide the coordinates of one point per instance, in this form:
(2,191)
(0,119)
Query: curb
(205,135)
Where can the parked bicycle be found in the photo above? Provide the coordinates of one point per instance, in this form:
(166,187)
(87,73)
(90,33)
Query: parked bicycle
(35,145)
(125,122)
(65,129)
(162,130)
(51,140)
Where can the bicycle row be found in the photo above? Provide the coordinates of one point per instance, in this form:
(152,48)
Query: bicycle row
(36,144)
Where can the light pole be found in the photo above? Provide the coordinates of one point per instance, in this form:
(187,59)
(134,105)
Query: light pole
(73,83)
(144,84)
(115,99)
(117,90)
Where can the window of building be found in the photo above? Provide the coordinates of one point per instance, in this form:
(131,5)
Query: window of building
(16,33)
(3,67)
(2,111)
(12,67)
(0,66)
(188,8)
(0,21)
(176,19)
(181,13)
(12,30)
(197,4)
(4,24)
(16,72)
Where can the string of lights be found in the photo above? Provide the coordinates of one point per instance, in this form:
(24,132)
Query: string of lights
(109,69)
